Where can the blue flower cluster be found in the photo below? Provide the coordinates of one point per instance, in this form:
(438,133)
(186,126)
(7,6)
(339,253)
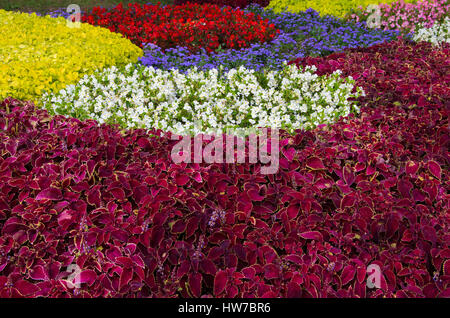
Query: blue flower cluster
(302,34)
(60,12)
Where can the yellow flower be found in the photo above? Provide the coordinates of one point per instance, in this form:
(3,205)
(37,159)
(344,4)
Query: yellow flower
(43,54)
(338,8)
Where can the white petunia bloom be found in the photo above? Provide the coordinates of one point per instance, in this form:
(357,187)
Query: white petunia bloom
(203,101)
(437,34)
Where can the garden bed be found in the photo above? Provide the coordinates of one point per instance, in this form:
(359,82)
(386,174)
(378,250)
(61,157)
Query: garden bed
(92,203)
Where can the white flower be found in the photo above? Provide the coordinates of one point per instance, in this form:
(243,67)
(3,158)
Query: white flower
(201,101)
(437,34)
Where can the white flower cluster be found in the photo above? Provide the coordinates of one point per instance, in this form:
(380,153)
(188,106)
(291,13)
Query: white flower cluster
(206,101)
(437,34)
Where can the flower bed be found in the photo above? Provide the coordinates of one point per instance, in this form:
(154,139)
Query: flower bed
(302,34)
(437,34)
(338,8)
(406,17)
(192,26)
(370,189)
(143,97)
(366,190)
(43,53)
(394,74)
(232,3)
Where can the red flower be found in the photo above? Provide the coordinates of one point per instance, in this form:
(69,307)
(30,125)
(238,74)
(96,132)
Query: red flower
(192,25)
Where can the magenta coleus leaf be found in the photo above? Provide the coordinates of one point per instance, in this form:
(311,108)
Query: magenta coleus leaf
(348,200)
(294,258)
(197,177)
(64,217)
(269,294)
(181,179)
(93,196)
(179,226)
(293,211)
(38,273)
(435,169)
(404,187)
(312,235)
(271,271)
(220,281)
(348,174)
(348,273)
(50,194)
(25,288)
(446,267)
(118,193)
(125,261)
(254,195)
(429,233)
(289,153)
(87,276)
(412,167)
(208,267)
(315,163)
(3,281)
(125,277)
(195,284)
(445,293)
(249,272)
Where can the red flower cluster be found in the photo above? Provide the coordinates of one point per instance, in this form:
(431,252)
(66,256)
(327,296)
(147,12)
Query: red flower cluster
(368,190)
(232,3)
(190,25)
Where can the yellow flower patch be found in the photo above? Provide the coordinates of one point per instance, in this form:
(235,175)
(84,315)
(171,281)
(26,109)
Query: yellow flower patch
(40,54)
(338,8)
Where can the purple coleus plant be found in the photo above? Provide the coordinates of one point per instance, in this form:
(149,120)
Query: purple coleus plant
(88,210)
